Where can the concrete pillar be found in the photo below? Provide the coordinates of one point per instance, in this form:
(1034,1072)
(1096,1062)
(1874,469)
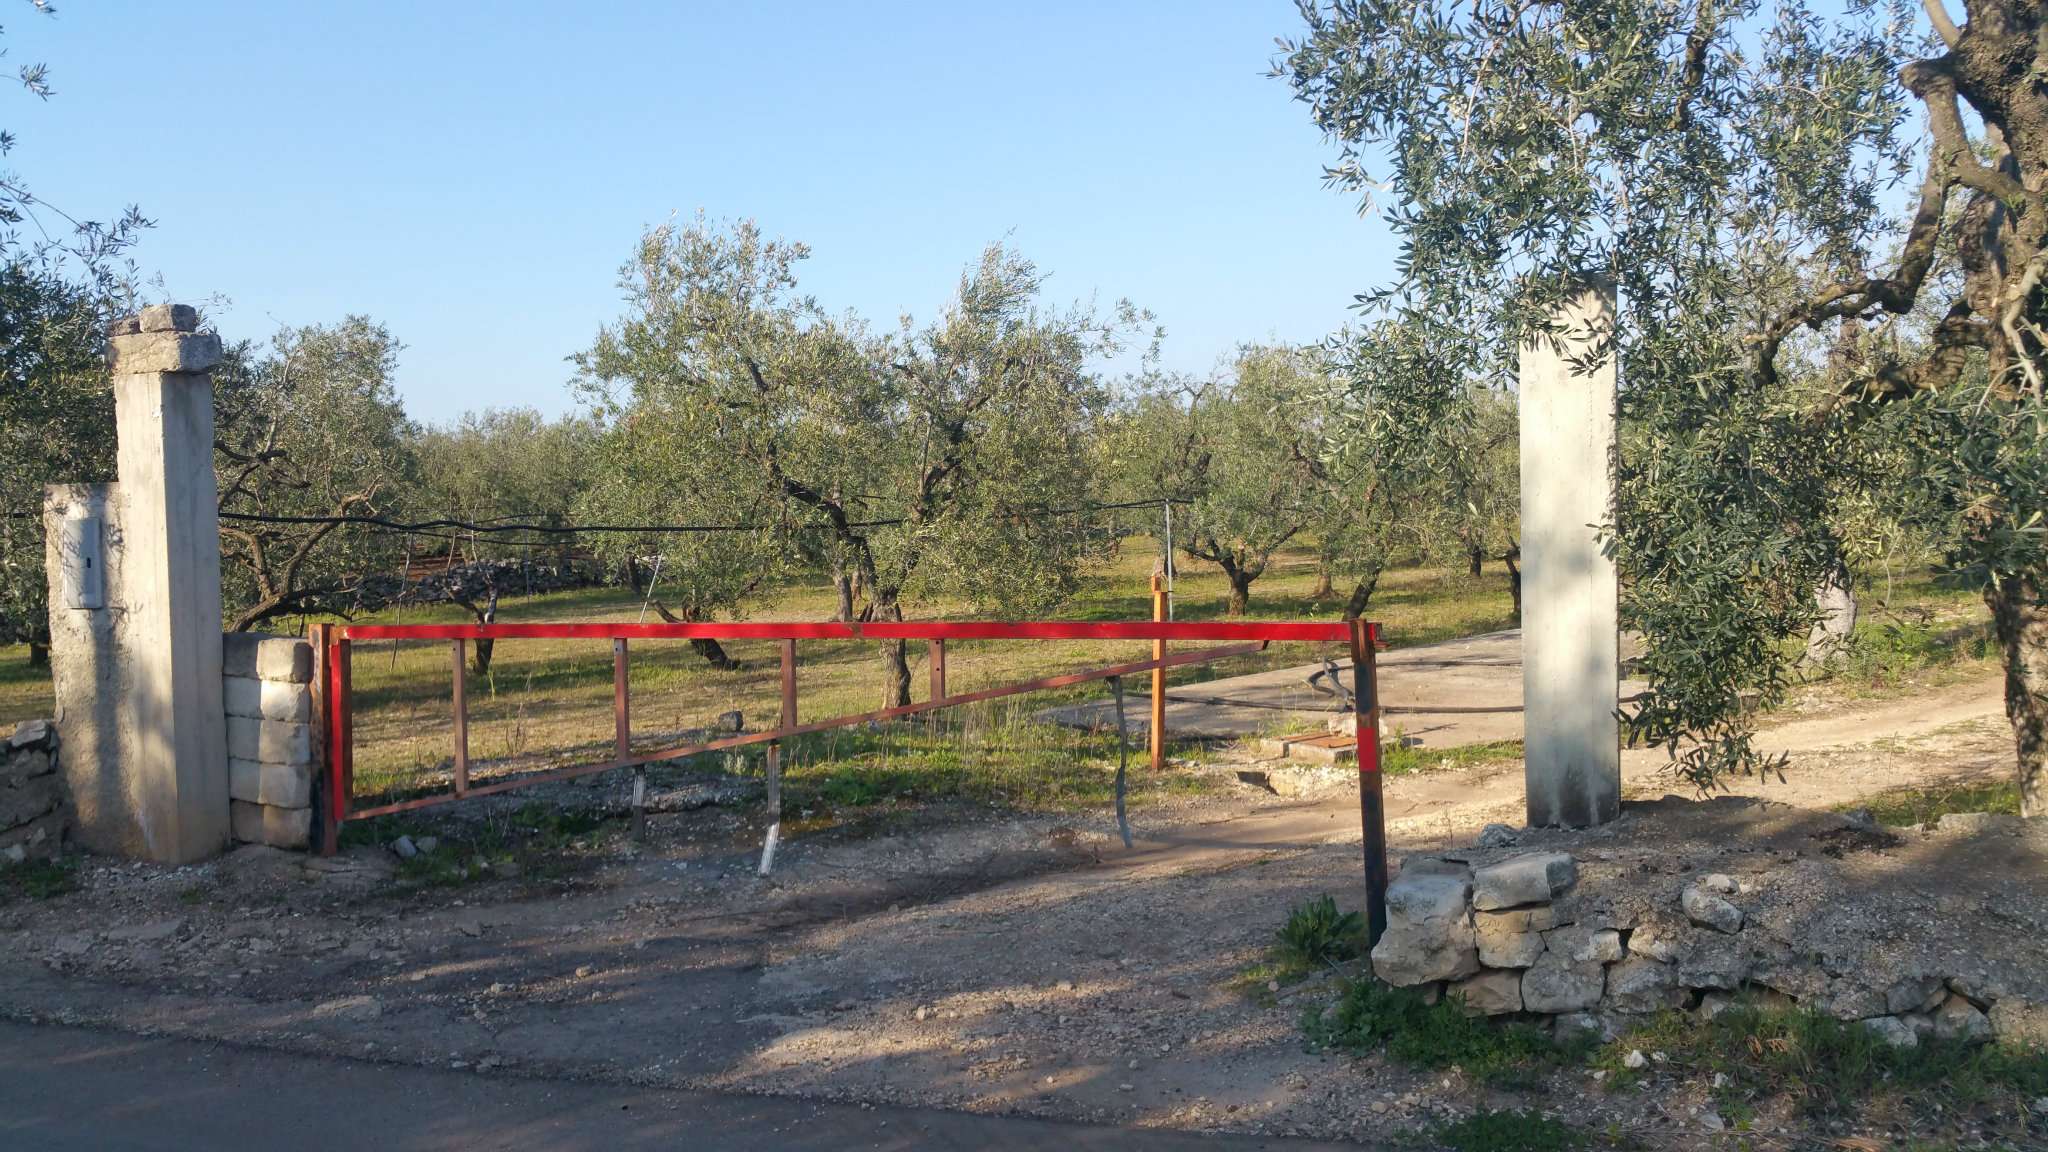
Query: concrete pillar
(174,728)
(1571,660)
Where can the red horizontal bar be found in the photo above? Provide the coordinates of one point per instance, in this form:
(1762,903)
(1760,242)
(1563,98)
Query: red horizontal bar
(1267,630)
(726,630)
(1107,630)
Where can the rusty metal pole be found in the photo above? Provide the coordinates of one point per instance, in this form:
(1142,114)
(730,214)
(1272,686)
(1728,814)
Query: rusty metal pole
(787,721)
(1372,810)
(1157,731)
(323,699)
(461,720)
(938,662)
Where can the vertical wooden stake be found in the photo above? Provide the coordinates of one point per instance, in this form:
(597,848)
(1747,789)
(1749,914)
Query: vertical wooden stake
(1372,811)
(788,720)
(622,722)
(461,720)
(938,662)
(324,732)
(1158,726)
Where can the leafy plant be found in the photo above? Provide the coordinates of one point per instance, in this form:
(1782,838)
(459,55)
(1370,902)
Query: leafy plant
(1316,933)
(1369,1015)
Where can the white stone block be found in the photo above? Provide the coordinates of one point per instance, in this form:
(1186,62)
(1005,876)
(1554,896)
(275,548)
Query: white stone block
(169,353)
(268,699)
(261,656)
(279,785)
(269,741)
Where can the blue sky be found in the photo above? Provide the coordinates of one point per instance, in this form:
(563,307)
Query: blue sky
(474,174)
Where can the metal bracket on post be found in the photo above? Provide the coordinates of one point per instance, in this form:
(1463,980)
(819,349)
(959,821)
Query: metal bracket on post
(1372,809)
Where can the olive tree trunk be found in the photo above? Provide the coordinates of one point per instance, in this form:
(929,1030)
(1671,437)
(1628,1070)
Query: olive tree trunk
(2019,613)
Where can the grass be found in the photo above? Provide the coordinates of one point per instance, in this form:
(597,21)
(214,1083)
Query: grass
(1317,934)
(1929,803)
(1369,1016)
(1509,1131)
(37,880)
(1831,1068)
(532,841)
(1398,759)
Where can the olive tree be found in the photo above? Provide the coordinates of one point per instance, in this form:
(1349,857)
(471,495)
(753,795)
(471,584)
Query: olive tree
(1783,196)
(947,459)
(307,433)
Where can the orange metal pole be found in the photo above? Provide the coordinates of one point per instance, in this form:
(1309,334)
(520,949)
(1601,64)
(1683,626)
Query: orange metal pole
(622,715)
(1157,731)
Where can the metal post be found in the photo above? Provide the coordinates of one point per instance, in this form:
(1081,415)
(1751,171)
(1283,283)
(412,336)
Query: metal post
(340,750)
(1167,564)
(788,720)
(323,698)
(622,723)
(461,720)
(1158,727)
(1372,811)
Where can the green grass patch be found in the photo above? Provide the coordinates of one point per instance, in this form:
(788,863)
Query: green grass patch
(1928,803)
(37,879)
(1832,1067)
(1522,1130)
(1398,759)
(1369,1015)
(530,841)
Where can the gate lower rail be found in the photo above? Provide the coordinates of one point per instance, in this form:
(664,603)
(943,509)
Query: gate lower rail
(333,647)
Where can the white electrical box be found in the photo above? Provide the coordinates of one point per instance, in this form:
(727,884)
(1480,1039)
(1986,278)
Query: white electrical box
(85,569)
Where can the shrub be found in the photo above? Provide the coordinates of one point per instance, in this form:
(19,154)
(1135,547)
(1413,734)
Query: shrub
(1317,933)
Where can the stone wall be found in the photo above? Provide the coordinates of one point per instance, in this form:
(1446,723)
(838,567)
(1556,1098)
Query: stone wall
(1520,935)
(268,691)
(35,808)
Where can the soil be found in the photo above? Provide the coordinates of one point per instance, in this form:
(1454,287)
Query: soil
(999,962)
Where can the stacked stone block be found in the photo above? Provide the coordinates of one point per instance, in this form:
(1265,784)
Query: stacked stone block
(34,809)
(267,685)
(1518,937)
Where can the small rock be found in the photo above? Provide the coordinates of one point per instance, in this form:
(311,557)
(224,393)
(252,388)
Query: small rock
(1126,1087)
(1958,1019)
(1496,836)
(404,848)
(1720,883)
(1893,1031)
(427,843)
(583,971)
(1635,1059)
(1710,911)
(1920,993)
(1065,986)
(1640,984)
(923,1013)
(1493,992)
(470,927)
(1531,878)
(350,1008)
(1557,984)
(1980,823)
(145,933)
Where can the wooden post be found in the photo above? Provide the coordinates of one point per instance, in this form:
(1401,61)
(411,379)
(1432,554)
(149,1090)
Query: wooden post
(938,663)
(1157,734)
(329,831)
(788,720)
(622,722)
(461,720)
(1372,810)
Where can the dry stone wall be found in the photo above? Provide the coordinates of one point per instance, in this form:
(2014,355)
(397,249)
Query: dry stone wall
(35,809)
(1519,935)
(267,688)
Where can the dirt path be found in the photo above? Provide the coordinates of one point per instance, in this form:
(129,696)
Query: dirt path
(981,962)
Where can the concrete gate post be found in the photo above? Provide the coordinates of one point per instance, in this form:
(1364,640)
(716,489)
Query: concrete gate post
(1571,665)
(138,660)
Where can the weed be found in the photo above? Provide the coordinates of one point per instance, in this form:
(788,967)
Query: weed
(1929,803)
(1369,1014)
(1830,1066)
(38,879)
(1517,1131)
(1316,933)
(1399,759)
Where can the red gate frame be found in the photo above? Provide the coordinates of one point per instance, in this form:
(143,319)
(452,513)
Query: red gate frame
(332,645)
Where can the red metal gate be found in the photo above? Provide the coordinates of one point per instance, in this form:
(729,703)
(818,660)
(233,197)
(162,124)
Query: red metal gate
(333,642)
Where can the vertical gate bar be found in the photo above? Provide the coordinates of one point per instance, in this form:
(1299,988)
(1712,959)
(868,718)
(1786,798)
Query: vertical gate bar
(343,733)
(323,699)
(1372,811)
(461,720)
(1158,726)
(774,765)
(622,722)
(938,669)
